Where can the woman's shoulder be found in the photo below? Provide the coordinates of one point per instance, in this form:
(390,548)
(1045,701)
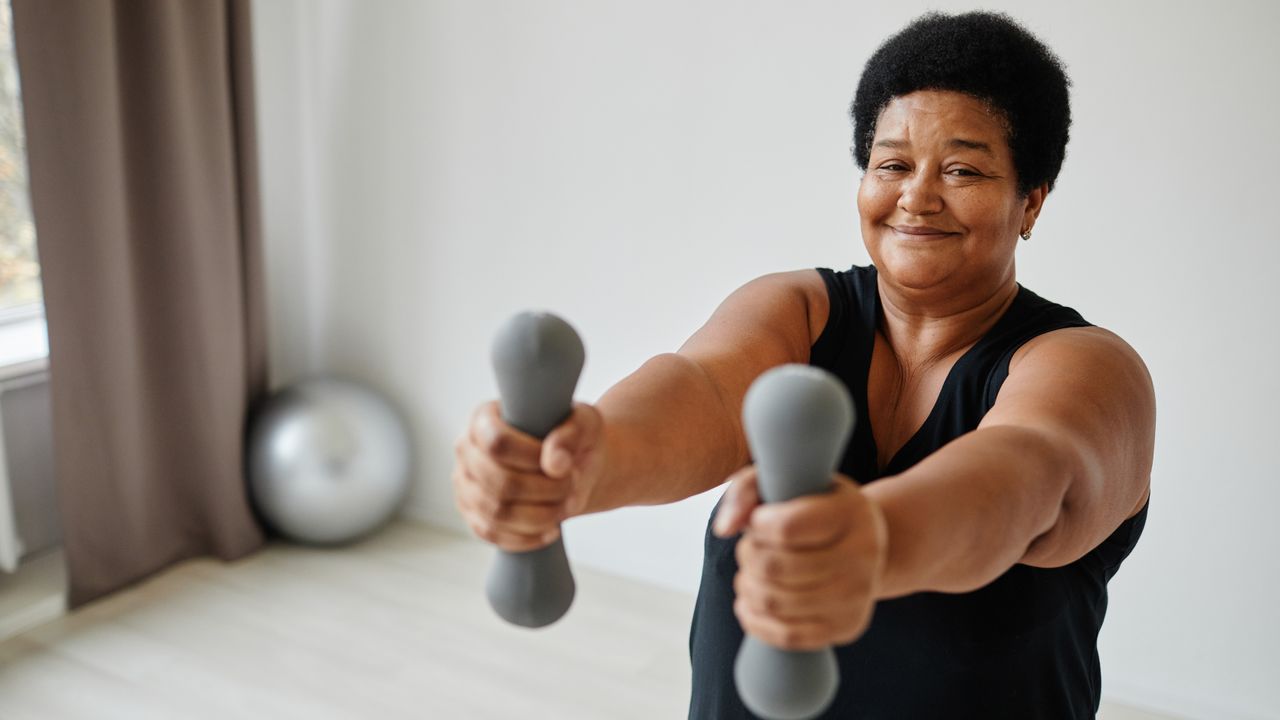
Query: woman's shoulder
(771,318)
(1087,382)
(1044,339)
(1058,329)
(1090,344)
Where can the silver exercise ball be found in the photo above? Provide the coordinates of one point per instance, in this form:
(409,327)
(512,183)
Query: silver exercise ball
(328,461)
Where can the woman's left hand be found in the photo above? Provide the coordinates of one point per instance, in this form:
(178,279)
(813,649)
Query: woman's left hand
(808,568)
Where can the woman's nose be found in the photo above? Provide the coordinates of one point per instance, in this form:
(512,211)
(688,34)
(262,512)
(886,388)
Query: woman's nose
(920,194)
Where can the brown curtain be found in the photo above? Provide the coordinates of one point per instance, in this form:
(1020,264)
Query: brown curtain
(140,136)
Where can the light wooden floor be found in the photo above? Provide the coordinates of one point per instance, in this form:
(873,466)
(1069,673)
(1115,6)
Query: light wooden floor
(396,627)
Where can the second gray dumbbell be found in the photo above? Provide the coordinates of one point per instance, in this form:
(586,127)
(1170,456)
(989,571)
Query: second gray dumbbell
(798,420)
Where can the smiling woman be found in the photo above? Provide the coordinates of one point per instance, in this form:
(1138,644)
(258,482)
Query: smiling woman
(999,472)
(940,201)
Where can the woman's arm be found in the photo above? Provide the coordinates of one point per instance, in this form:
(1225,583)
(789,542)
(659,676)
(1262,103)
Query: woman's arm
(668,431)
(1056,465)
(673,428)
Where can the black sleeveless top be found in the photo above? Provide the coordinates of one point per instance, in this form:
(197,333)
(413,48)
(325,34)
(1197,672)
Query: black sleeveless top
(1024,646)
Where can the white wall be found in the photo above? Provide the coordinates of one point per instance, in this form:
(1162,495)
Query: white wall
(432,167)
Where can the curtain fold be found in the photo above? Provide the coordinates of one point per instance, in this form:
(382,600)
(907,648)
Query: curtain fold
(140,134)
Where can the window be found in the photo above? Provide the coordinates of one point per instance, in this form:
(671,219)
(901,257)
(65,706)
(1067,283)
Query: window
(22,331)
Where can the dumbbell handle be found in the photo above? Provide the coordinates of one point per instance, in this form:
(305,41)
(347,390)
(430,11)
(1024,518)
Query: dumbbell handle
(537,358)
(797,420)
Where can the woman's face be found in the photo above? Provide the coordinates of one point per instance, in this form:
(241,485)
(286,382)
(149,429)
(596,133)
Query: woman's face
(939,201)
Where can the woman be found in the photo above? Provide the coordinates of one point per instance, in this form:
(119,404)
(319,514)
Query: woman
(1000,470)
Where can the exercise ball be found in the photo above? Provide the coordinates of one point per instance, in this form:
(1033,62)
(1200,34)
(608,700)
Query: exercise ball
(328,461)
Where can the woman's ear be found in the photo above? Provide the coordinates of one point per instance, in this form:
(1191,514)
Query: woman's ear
(1035,202)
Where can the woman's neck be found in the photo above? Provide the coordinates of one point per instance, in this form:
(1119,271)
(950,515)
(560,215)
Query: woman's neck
(922,332)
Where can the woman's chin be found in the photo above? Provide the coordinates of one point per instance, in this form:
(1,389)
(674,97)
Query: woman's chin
(915,270)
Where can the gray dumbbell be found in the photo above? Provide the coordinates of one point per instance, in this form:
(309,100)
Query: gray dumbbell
(537,358)
(797,419)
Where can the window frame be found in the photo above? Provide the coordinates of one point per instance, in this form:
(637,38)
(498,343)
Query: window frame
(24,325)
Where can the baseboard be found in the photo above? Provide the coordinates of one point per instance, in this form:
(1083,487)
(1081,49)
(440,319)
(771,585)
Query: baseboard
(34,595)
(32,616)
(1178,705)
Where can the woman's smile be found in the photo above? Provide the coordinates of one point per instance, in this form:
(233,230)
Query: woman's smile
(919,233)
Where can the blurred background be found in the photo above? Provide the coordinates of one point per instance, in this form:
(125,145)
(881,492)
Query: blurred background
(429,168)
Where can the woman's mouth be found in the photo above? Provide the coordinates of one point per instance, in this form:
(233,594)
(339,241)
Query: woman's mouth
(922,232)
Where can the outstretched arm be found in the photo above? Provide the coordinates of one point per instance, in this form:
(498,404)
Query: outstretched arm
(1058,463)
(673,428)
(670,430)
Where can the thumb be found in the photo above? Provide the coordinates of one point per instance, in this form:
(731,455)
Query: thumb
(565,445)
(742,497)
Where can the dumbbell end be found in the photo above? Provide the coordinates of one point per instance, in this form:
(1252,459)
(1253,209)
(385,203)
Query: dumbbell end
(531,589)
(537,358)
(785,685)
(797,420)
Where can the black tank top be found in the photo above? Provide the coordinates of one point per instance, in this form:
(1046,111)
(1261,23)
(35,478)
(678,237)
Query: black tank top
(1024,646)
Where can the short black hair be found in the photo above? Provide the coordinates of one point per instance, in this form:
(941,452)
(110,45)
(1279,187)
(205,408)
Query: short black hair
(988,56)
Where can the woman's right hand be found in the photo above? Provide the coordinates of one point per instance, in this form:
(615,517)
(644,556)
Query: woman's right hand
(514,490)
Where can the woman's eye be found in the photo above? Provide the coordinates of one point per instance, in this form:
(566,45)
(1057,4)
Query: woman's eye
(895,167)
(964,172)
